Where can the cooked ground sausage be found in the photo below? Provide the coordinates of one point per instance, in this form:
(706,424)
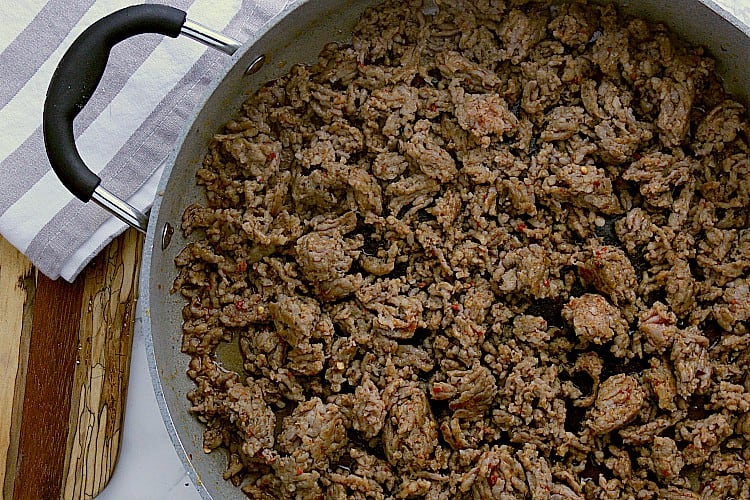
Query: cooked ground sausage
(493,250)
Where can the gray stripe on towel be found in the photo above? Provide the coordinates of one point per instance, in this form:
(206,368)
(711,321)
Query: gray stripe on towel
(23,57)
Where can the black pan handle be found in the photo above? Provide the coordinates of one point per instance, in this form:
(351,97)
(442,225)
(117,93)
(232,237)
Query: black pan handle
(77,77)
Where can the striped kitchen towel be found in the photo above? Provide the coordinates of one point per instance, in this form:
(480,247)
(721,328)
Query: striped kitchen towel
(124,134)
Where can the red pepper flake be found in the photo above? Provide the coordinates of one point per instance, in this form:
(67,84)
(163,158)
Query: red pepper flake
(455,307)
(436,390)
(546,282)
(242,266)
(240,304)
(733,302)
(360,65)
(432,107)
(521,226)
(492,480)
(299,471)
(271,156)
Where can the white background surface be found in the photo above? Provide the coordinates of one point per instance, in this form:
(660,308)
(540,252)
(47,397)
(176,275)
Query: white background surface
(148,467)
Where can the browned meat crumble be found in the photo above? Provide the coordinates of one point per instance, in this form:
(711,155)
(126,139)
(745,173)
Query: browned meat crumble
(499,250)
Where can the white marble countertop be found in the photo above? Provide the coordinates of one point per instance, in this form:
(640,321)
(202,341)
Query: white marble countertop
(148,467)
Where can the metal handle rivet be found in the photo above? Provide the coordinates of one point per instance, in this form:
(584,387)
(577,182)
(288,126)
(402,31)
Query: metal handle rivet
(255,65)
(166,235)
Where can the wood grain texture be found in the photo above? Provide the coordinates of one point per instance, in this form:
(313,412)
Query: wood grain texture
(102,369)
(49,380)
(16,304)
(64,368)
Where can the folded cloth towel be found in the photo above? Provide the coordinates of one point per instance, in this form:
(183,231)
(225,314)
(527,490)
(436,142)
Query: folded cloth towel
(124,134)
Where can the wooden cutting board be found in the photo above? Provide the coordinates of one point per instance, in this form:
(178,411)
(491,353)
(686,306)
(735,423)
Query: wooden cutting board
(64,364)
